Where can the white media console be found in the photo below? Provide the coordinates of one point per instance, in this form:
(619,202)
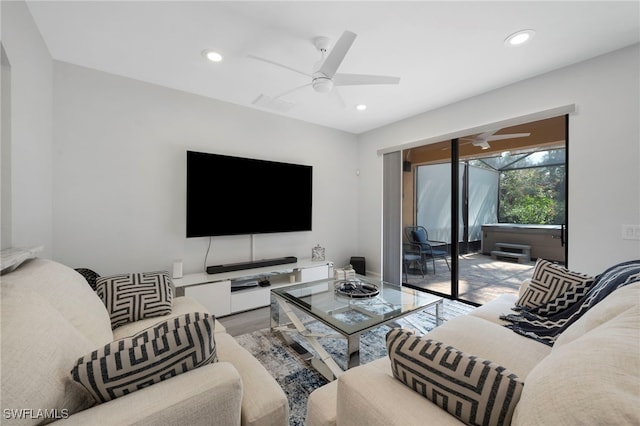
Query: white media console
(214,290)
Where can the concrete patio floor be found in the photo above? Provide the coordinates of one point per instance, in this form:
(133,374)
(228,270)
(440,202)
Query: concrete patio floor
(480,277)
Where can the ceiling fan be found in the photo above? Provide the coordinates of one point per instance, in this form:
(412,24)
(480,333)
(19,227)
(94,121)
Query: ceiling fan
(325,77)
(482,140)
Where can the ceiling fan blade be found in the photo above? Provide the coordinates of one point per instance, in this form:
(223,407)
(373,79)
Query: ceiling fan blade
(337,54)
(485,135)
(359,79)
(279,65)
(509,136)
(482,144)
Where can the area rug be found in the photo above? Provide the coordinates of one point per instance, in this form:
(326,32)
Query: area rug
(298,379)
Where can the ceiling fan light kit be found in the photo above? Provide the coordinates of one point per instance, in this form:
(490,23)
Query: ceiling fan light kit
(322,84)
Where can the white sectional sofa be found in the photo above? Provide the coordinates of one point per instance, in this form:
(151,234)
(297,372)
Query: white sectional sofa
(51,317)
(590,376)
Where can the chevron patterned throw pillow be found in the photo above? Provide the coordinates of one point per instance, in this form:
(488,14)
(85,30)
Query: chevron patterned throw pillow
(132,297)
(550,281)
(155,354)
(474,390)
(564,301)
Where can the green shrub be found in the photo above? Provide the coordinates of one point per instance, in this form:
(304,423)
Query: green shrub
(532,196)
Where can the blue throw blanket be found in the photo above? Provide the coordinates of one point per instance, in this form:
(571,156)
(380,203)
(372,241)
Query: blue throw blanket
(546,329)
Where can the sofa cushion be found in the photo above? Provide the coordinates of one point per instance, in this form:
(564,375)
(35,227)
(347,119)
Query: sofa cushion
(592,380)
(617,302)
(181,305)
(38,346)
(492,310)
(477,336)
(547,329)
(132,297)
(548,282)
(158,353)
(475,390)
(67,291)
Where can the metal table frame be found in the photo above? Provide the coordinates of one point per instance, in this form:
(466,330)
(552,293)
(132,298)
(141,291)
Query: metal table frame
(323,362)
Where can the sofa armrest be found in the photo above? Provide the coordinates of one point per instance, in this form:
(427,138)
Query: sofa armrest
(206,395)
(264,403)
(321,405)
(370,396)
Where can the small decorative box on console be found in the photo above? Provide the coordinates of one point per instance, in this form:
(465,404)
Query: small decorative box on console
(344,273)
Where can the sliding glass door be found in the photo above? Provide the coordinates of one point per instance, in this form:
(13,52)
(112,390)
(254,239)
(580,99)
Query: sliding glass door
(489,208)
(427,221)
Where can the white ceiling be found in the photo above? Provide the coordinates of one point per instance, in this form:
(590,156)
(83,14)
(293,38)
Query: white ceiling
(443,51)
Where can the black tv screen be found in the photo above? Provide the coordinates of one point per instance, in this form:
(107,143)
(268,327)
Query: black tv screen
(233,196)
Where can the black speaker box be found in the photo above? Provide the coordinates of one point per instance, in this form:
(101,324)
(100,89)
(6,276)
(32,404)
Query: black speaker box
(359,265)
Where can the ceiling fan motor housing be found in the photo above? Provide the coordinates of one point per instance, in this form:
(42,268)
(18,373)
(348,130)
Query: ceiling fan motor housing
(322,84)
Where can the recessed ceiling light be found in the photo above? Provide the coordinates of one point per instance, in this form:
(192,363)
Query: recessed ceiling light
(212,56)
(361,107)
(519,37)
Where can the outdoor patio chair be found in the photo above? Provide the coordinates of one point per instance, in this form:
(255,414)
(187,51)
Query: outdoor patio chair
(418,237)
(411,254)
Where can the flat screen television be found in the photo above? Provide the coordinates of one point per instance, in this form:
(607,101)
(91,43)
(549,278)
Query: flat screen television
(234,196)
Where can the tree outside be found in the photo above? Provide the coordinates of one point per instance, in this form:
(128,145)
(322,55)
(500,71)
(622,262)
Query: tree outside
(532,196)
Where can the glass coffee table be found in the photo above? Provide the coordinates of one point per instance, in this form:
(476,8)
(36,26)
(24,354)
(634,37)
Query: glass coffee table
(343,306)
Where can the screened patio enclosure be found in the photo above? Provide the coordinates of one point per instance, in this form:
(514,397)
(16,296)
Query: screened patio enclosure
(525,188)
(508,197)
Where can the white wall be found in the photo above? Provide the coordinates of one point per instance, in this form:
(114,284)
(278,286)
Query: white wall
(107,190)
(5,153)
(119,174)
(31,127)
(604,151)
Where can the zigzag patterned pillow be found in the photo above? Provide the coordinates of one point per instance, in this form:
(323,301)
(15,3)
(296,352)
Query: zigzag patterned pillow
(155,354)
(132,297)
(550,281)
(474,390)
(564,301)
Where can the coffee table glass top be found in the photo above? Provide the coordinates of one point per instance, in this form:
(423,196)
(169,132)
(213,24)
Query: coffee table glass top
(349,315)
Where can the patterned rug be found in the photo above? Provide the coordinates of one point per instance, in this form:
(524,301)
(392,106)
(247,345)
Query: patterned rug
(298,379)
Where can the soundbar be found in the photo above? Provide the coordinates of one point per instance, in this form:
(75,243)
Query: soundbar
(230,267)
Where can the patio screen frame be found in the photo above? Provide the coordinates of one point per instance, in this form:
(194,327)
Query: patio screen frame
(395,252)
